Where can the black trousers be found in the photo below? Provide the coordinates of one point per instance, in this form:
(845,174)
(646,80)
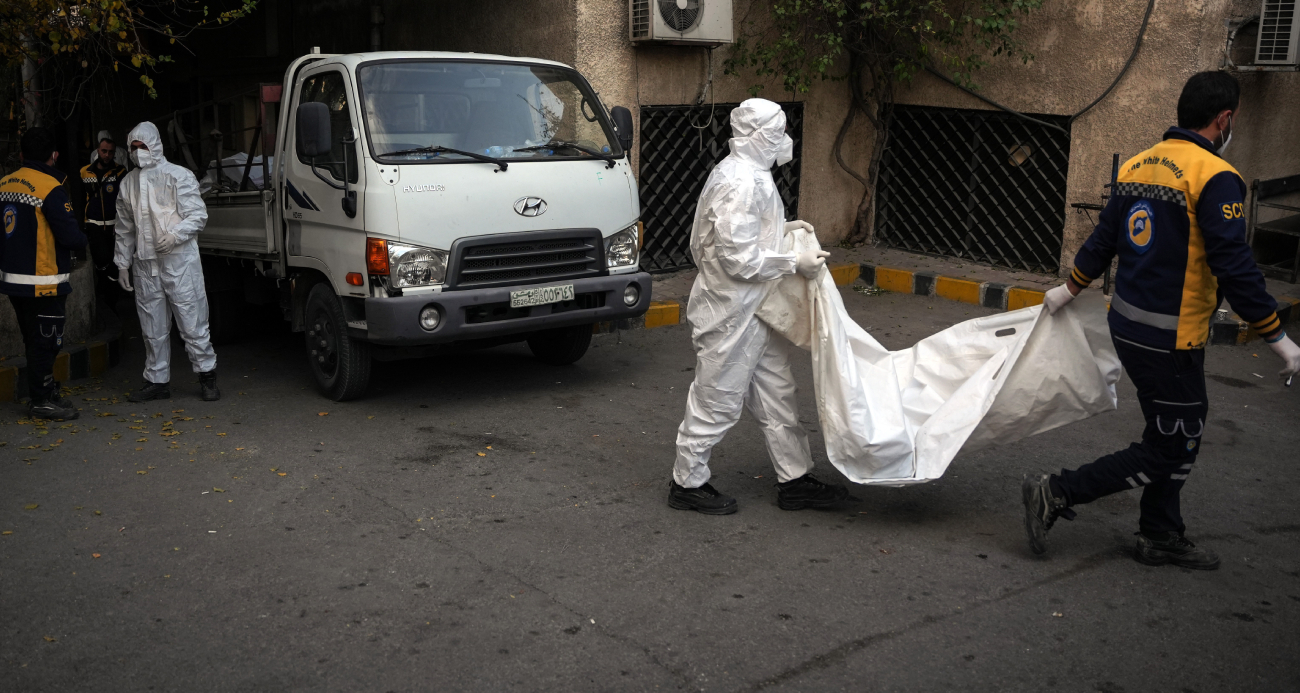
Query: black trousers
(1171,392)
(101,241)
(41,321)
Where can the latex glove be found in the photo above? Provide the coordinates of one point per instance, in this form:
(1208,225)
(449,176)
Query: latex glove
(124,279)
(798,224)
(1056,298)
(165,243)
(810,262)
(1290,355)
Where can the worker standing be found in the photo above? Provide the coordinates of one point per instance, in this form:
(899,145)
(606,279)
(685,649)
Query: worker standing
(159,216)
(40,231)
(1176,221)
(102,179)
(740,363)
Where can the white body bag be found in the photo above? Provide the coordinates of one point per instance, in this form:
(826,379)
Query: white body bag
(900,417)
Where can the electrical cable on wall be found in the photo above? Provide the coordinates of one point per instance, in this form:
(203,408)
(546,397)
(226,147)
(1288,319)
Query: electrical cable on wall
(699,100)
(1137,45)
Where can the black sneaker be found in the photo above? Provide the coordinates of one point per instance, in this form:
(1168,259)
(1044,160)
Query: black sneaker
(54,408)
(808,492)
(704,499)
(1175,549)
(1042,508)
(151,391)
(208,386)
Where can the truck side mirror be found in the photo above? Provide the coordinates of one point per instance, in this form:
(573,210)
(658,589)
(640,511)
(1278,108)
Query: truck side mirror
(314,136)
(623,126)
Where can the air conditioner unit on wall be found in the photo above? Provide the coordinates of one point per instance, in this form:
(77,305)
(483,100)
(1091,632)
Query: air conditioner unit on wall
(683,22)
(1279,33)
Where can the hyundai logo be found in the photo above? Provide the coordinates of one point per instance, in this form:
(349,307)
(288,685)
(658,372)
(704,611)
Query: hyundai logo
(530,206)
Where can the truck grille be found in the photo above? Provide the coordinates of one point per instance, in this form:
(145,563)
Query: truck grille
(525,258)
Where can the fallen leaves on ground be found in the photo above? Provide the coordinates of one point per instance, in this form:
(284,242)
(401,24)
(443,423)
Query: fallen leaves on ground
(218,490)
(31,506)
(322,413)
(141,471)
(482,454)
(94,555)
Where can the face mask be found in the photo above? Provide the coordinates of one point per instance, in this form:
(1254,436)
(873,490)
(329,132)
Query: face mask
(1223,147)
(142,157)
(785,151)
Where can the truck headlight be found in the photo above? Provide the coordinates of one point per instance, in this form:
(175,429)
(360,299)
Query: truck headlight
(621,248)
(412,266)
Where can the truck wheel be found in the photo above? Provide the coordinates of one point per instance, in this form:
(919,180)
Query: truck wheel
(340,363)
(560,346)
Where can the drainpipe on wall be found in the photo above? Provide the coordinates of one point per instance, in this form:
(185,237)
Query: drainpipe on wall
(31,86)
(376,24)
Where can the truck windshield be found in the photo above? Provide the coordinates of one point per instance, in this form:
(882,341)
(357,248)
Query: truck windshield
(502,110)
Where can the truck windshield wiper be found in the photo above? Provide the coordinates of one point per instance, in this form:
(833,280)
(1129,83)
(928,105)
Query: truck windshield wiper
(560,144)
(437,149)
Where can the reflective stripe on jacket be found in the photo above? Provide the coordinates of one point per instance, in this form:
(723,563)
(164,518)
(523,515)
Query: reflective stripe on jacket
(40,230)
(1176,220)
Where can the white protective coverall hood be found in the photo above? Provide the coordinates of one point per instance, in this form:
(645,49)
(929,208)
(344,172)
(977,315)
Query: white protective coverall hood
(157,199)
(735,240)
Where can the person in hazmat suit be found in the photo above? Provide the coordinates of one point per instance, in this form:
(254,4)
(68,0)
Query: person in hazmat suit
(159,217)
(740,362)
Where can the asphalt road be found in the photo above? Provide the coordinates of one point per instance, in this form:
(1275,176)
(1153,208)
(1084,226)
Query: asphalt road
(482,522)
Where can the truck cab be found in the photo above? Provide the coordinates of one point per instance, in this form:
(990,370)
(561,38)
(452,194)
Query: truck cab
(418,201)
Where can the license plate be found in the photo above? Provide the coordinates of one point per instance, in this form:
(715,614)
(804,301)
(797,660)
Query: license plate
(541,296)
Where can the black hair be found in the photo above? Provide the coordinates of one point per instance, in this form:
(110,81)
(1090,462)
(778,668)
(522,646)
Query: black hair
(1205,96)
(38,144)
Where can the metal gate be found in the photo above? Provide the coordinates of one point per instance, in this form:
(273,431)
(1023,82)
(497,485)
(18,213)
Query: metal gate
(680,145)
(981,185)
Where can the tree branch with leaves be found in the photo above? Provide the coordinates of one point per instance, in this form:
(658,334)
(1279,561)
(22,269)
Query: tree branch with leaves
(873,47)
(65,50)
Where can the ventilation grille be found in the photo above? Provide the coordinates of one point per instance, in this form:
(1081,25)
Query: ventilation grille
(1277,33)
(680,18)
(640,19)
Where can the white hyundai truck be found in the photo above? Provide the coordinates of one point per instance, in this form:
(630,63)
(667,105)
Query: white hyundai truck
(413,202)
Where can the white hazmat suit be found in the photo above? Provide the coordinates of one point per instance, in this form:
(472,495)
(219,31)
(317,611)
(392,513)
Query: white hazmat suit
(740,362)
(159,216)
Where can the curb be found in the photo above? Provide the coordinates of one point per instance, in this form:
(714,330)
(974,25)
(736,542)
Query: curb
(667,313)
(993,295)
(1234,330)
(1223,330)
(73,363)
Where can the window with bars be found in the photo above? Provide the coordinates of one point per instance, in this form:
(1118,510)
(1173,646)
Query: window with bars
(680,145)
(982,185)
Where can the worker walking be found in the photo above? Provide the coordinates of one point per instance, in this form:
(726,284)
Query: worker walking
(740,363)
(159,216)
(1175,220)
(102,179)
(40,231)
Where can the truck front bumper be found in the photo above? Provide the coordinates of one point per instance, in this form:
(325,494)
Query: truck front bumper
(484,313)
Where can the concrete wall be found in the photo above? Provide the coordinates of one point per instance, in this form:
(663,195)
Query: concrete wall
(80,307)
(1079,48)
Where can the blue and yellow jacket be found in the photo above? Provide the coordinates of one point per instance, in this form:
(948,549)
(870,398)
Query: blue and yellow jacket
(1177,222)
(40,232)
(101,184)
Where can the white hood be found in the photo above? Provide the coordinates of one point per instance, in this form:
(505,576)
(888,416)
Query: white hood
(757,132)
(147,133)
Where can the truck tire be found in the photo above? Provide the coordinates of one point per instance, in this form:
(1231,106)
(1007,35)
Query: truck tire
(560,346)
(340,364)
